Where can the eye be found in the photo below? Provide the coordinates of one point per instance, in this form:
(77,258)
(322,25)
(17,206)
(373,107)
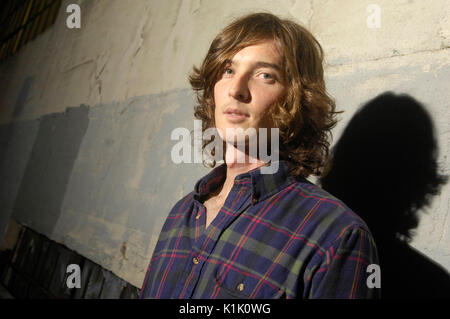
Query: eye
(267,77)
(228,71)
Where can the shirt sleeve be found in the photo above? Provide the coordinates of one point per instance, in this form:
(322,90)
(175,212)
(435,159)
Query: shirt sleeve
(344,272)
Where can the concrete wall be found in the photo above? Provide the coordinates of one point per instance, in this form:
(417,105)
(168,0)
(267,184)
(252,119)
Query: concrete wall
(86,114)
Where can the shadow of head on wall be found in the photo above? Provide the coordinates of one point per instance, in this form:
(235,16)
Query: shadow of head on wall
(384,168)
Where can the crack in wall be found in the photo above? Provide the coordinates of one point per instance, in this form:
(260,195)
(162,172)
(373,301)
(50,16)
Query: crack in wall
(331,65)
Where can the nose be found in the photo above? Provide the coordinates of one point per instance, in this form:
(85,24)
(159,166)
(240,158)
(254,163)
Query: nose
(239,89)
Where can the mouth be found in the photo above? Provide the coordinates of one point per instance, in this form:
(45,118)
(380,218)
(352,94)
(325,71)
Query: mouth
(235,115)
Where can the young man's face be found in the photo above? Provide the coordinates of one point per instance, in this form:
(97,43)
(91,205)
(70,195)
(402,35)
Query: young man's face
(250,84)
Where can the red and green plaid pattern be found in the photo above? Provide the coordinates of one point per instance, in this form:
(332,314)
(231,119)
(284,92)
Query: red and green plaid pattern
(275,237)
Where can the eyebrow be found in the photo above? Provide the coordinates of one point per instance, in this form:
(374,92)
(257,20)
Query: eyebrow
(259,64)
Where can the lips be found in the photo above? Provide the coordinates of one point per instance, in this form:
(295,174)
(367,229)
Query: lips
(234,115)
(236,112)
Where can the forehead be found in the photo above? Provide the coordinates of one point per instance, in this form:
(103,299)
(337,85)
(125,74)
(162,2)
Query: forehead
(264,51)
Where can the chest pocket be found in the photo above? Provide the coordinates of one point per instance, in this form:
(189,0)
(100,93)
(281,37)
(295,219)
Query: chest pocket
(232,283)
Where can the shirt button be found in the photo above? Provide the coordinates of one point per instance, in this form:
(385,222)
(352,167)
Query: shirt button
(195,261)
(240,287)
(198,216)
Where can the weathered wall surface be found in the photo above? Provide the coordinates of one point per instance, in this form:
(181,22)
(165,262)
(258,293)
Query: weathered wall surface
(86,114)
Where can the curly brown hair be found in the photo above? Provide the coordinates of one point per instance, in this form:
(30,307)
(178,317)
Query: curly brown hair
(306,113)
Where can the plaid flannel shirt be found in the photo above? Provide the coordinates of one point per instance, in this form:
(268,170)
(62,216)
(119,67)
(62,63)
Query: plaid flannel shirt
(276,236)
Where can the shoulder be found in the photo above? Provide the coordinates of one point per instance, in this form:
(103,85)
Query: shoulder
(178,212)
(182,204)
(326,213)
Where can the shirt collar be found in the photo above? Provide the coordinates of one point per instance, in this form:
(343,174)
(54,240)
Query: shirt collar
(262,185)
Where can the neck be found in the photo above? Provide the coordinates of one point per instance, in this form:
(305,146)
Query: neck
(237,162)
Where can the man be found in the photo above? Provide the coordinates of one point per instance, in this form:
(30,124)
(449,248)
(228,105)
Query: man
(245,234)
